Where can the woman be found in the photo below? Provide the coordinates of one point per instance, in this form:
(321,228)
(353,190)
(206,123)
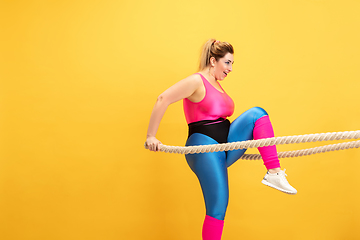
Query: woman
(206,107)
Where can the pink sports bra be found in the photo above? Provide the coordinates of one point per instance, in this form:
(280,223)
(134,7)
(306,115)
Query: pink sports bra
(214,105)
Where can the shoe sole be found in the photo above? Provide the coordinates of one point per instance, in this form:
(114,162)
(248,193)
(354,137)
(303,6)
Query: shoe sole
(277,188)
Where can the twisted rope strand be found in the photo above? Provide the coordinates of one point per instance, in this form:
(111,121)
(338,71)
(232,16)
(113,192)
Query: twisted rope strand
(309,151)
(268,142)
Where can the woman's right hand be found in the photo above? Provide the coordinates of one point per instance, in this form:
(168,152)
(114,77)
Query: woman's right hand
(153,144)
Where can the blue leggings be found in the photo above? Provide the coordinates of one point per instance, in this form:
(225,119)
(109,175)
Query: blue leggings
(211,168)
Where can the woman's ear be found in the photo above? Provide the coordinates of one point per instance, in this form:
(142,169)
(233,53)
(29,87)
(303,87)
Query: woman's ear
(212,61)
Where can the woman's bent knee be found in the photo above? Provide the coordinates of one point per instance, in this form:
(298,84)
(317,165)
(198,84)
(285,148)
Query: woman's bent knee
(259,111)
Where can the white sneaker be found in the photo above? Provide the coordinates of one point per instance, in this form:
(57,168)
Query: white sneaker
(279,182)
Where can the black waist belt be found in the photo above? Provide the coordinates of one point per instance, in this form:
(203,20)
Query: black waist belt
(216,129)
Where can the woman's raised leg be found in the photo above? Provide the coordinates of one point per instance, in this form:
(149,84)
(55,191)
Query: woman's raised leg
(255,124)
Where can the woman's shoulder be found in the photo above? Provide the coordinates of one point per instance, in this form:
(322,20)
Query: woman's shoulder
(194,79)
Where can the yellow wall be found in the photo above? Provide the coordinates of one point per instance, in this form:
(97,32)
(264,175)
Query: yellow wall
(78,82)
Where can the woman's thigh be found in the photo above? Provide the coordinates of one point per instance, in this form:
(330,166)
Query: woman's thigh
(241,129)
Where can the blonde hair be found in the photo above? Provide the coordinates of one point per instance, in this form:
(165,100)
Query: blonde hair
(216,49)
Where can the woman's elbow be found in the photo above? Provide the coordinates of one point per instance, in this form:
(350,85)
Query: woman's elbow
(162,100)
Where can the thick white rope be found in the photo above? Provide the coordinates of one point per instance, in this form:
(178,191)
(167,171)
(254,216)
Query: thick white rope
(309,151)
(275,141)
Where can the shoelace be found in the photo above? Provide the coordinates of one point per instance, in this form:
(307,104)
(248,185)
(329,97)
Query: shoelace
(283,175)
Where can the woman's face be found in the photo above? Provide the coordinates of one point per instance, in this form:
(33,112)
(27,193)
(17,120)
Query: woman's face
(223,67)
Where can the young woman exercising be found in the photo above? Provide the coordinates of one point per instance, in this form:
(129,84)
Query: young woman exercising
(206,107)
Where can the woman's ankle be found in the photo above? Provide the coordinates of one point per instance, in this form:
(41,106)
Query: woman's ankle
(274,170)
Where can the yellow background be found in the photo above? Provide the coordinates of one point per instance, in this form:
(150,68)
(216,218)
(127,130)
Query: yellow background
(78,83)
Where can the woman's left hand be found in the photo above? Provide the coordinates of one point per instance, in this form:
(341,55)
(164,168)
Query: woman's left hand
(153,144)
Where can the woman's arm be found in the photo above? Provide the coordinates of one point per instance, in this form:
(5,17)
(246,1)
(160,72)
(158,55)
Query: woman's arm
(180,90)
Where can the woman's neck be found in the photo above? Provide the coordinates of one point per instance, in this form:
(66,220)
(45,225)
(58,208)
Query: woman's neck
(207,74)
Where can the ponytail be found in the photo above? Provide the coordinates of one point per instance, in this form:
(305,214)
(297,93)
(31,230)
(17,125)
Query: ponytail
(216,49)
